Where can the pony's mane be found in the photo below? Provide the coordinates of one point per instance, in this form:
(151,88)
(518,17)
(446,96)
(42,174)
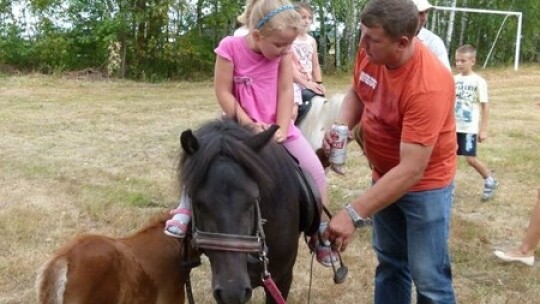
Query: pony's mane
(224,138)
(320,117)
(157,220)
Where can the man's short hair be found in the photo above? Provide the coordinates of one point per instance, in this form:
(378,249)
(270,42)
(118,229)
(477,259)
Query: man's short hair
(397,17)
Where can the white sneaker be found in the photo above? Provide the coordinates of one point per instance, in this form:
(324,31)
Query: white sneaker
(527,260)
(489,190)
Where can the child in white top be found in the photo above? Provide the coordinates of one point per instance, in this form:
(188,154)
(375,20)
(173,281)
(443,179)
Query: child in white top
(242,20)
(307,71)
(472,114)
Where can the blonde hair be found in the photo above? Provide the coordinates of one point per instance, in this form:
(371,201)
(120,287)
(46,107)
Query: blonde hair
(261,9)
(303,6)
(467,49)
(242,19)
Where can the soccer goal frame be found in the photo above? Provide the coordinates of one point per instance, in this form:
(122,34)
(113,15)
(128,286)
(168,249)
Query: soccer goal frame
(519,16)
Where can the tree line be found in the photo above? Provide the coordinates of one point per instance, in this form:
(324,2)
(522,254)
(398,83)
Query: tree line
(175,39)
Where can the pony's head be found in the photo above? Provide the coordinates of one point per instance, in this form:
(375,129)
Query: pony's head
(222,171)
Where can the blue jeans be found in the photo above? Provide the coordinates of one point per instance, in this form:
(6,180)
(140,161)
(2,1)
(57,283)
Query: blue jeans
(410,238)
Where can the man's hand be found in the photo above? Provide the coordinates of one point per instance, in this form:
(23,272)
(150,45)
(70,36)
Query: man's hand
(340,231)
(329,138)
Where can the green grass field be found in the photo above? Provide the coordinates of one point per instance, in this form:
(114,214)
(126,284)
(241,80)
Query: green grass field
(80,156)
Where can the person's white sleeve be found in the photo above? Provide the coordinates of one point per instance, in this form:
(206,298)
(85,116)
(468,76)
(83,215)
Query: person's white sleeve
(438,47)
(435,44)
(241,31)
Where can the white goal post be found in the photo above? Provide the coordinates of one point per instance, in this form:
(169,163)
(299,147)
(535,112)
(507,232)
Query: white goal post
(519,16)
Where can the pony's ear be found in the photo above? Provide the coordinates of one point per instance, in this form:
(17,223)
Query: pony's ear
(258,141)
(189,142)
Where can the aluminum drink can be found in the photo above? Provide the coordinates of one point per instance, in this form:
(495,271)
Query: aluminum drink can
(338,152)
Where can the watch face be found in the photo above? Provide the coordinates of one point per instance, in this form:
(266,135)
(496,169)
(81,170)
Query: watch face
(367,222)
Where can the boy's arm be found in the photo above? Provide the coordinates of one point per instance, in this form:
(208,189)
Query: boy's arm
(284,97)
(484,110)
(484,114)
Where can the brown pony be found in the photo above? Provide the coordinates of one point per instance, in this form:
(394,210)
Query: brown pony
(146,267)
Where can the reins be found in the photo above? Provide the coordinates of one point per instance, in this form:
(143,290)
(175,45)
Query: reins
(340,274)
(189,264)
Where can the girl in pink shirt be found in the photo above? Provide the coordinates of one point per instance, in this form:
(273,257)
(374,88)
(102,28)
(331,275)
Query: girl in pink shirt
(254,85)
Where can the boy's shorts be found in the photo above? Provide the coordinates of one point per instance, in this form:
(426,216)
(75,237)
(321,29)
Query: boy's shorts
(466,144)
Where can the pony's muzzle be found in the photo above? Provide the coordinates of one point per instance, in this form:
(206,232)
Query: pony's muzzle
(232,294)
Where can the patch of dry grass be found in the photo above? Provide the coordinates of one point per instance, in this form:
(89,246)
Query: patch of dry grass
(81,156)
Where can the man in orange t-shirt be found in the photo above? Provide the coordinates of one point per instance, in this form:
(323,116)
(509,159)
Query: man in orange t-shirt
(404,97)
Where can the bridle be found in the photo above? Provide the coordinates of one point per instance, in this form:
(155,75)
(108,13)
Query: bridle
(231,242)
(255,243)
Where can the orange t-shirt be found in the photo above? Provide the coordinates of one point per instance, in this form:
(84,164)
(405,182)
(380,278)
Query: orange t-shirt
(412,104)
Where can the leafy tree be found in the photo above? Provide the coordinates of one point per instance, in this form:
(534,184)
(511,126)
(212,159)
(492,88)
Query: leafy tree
(175,39)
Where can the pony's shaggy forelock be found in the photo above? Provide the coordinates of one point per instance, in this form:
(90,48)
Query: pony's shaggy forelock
(224,138)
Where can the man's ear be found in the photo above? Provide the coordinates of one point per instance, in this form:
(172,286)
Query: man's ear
(404,42)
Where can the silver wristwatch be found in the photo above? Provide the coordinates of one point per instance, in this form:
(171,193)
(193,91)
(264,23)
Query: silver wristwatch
(358,221)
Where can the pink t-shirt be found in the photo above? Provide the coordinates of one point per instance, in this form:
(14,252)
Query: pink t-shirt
(255,81)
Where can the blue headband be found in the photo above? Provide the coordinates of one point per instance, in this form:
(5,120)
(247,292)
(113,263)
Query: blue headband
(278,10)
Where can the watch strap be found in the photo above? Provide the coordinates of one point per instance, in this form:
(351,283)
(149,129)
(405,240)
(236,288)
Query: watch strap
(357,220)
